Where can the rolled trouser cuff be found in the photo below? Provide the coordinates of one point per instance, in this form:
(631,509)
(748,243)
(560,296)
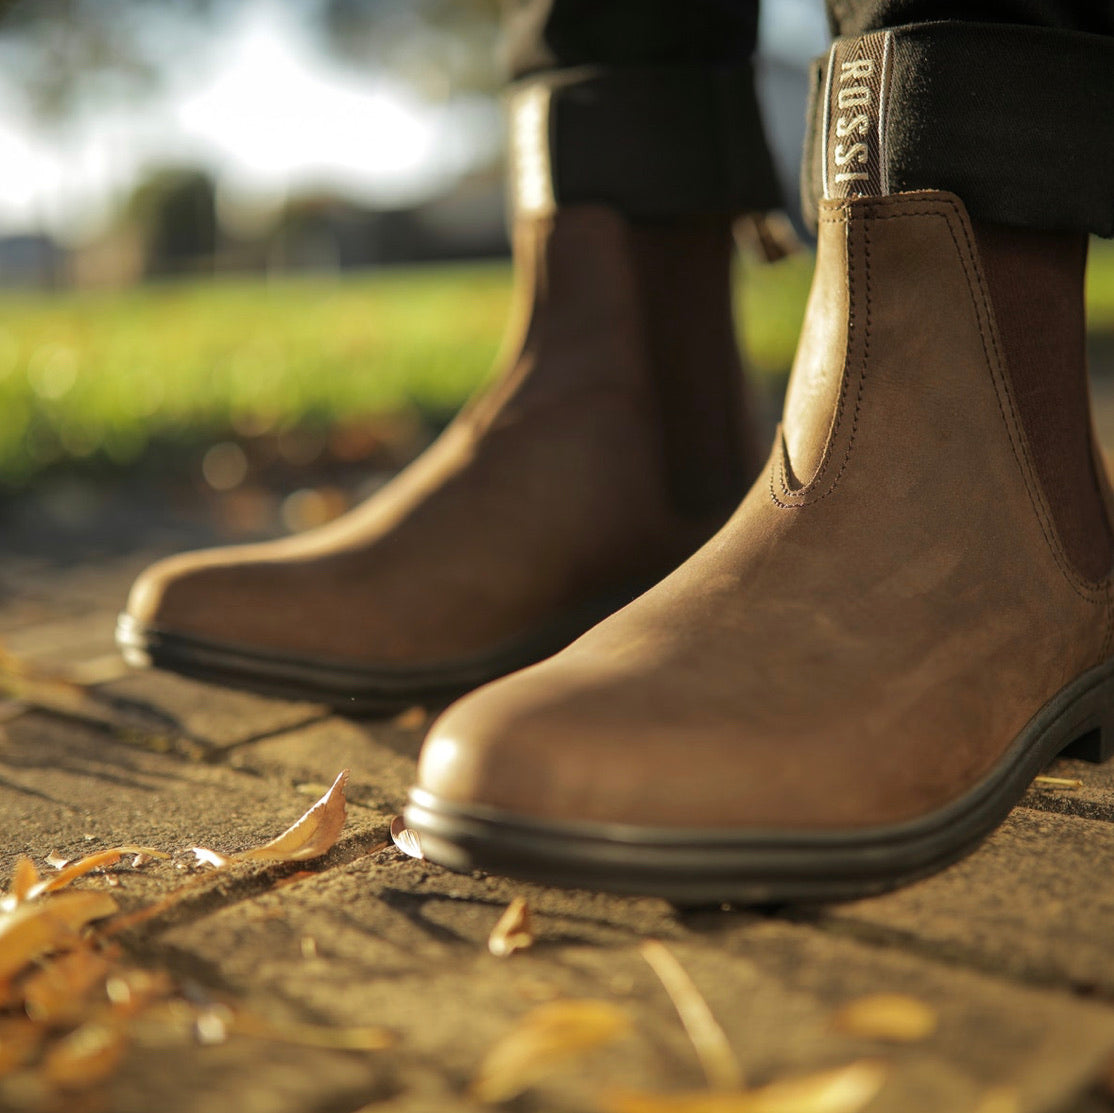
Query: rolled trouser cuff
(1017,121)
(653,142)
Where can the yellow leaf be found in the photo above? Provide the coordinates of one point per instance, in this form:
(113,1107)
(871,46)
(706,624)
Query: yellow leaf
(24,877)
(543,1040)
(82,866)
(85,1057)
(844,1090)
(886,1016)
(513,932)
(313,835)
(37,927)
(57,994)
(206,857)
(1058,782)
(721,1068)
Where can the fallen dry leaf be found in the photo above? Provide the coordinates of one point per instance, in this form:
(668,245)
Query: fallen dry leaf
(886,1016)
(56,995)
(82,866)
(206,857)
(56,861)
(86,1056)
(542,1041)
(1057,782)
(513,932)
(36,927)
(24,878)
(843,1090)
(721,1067)
(313,835)
(406,840)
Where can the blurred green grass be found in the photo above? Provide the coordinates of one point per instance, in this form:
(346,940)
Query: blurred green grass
(93,379)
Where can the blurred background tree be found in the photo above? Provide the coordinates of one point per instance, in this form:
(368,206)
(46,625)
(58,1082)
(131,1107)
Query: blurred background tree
(274,230)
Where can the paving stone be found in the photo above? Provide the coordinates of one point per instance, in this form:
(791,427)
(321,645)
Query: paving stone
(1093,799)
(216,718)
(1009,946)
(380,754)
(1033,903)
(405,946)
(73,789)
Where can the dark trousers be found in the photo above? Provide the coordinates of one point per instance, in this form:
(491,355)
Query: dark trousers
(1007,103)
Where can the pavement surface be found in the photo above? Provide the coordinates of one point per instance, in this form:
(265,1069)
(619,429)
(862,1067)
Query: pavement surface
(1011,949)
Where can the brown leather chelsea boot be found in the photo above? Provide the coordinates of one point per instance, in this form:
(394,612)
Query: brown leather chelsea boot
(615,441)
(909,615)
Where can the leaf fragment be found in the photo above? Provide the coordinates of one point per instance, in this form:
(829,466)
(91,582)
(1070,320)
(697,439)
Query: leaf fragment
(406,840)
(542,1041)
(101,860)
(56,861)
(895,1017)
(57,994)
(24,879)
(513,931)
(207,857)
(721,1067)
(313,835)
(36,927)
(1058,782)
(843,1090)
(86,1056)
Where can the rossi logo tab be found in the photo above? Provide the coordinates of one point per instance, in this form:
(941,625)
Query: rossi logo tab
(855,125)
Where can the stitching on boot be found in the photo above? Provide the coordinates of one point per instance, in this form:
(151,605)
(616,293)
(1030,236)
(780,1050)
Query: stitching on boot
(1104,652)
(1095,592)
(807,495)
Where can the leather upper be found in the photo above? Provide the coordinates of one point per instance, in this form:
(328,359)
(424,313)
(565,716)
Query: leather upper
(547,493)
(870,631)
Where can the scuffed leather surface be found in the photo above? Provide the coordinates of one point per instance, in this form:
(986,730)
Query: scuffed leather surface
(549,490)
(867,635)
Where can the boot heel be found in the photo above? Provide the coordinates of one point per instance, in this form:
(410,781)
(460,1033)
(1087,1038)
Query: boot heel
(1095,746)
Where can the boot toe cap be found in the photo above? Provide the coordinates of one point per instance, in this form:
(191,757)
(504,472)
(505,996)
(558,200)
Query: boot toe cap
(226,595)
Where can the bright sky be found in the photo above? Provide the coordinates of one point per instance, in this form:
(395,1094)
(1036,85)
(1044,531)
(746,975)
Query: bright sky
(264,110)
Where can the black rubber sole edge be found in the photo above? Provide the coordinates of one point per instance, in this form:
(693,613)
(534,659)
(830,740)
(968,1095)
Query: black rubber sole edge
(349,689)
(705,867)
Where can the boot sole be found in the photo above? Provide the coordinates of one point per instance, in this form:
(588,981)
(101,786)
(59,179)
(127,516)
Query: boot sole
(352,689)
(715,866)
